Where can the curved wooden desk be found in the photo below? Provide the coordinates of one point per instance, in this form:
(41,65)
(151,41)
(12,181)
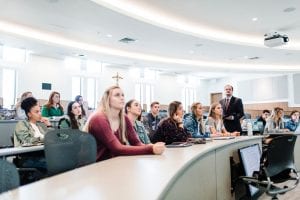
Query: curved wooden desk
(196,172)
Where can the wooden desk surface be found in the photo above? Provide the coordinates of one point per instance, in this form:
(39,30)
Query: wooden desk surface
(128,177)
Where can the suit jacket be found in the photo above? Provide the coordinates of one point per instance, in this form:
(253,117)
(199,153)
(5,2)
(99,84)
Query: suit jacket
(236,109)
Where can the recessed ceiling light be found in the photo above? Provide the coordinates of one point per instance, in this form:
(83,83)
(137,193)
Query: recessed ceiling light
(254,58)
(198,45)
(289,9)
(127,40)
(191,52)
(108,35)
(254,19)
(79,55)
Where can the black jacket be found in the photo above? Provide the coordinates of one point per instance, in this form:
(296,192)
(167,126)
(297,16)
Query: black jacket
(236,109)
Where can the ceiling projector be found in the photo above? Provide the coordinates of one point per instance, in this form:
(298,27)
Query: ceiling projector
(274,39)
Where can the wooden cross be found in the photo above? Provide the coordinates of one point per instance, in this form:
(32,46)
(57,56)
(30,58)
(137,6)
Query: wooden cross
(117,77)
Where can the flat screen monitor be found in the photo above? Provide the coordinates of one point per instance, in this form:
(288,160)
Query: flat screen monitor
(250,160)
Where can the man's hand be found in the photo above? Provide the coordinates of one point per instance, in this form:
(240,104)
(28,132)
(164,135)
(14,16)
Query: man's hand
(230,117)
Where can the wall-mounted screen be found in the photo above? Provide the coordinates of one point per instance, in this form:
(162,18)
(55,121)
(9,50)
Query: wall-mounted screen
(46,86)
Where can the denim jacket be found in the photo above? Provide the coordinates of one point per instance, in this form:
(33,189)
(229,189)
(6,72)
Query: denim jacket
(191,125)
(291,125)
(141,131)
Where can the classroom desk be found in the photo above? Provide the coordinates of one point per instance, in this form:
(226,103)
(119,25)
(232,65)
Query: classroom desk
(5,152)
(197,172)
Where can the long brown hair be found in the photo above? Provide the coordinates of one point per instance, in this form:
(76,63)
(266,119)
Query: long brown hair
(173,106)
(50,101)
(212,108)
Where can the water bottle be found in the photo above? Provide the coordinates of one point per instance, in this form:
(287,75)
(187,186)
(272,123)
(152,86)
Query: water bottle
(207,131)
(249,128)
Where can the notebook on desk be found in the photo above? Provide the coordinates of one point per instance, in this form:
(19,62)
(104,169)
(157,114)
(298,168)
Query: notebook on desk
(32,144)
(223,138)
(178,144)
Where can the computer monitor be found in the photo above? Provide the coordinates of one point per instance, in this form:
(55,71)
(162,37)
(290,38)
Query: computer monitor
(250,161)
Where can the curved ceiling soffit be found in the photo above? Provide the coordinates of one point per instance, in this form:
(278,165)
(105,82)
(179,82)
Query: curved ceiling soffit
(166,21)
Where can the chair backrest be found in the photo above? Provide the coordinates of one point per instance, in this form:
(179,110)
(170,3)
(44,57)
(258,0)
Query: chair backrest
(280,155)
(67,149)
(64,123)
(9,177)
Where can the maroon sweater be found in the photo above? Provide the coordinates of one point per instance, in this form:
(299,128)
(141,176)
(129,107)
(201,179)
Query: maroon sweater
(108,143)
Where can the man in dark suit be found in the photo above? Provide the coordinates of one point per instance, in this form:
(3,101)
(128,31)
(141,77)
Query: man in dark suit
(233,110)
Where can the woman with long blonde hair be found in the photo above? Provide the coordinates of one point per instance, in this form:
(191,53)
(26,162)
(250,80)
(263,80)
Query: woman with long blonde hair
(275,122)
(113,130)
(193,122)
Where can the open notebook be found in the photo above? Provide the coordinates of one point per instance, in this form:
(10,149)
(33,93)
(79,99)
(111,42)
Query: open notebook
(223,138)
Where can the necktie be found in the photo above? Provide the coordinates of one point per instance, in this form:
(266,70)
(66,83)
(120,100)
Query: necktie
(226,103)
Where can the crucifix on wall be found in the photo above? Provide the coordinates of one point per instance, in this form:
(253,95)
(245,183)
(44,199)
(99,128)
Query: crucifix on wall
(117,77)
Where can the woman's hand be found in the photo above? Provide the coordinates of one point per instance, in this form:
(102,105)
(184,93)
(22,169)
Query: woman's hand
(46,121)
(178,120)
(158,148)
(235,133)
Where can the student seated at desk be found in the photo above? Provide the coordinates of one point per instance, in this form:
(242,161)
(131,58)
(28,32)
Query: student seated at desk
(113,130)
(275,124)
(134,111)
(79,100)
(171,129)
(193,122)
(30,132)
(215,122)
(53,107)
(20,113)
(293,122)
(264,116)
(74,118)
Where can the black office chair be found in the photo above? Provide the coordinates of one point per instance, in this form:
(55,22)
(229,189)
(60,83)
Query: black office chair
(67,149)
(64,123)
(9,177)
(276,166)
(27,174)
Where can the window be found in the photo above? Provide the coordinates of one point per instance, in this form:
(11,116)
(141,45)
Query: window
(14,54)
(93,67)
(76,86)
(72,64)
(188,97)
(91,92)
(144,93)
(9,91)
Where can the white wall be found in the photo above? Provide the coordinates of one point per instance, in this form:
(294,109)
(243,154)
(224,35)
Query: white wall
(166,88)
(41,69)
(254,88)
